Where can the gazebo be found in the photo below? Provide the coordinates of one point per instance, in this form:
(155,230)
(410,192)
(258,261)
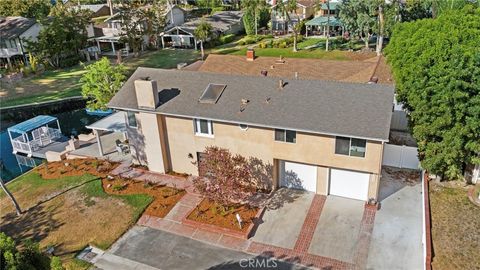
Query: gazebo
(318,26)
(33,135)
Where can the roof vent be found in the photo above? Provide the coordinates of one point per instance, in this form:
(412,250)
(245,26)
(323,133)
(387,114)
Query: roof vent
(212,93)
(281,84)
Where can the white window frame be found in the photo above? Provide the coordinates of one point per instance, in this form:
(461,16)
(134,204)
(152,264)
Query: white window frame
(197,130)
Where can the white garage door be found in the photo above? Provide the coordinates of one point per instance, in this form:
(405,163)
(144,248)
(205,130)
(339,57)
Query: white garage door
(299,176)
(349,184)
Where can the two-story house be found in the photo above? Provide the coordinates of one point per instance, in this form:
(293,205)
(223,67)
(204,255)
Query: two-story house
(322,136)
(14,31)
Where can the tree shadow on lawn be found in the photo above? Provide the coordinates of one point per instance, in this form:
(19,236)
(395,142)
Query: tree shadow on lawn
(266,260)
(36,223)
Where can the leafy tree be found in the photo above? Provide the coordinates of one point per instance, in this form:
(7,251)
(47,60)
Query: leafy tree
(154,21)
(132,18)
(37,9)
(412,10)
(202,33)
(254,9)
(29,257)
(101,82)
(56,264)
(436,66)
(225,178)
(359,18)
(62,36)
(441,6)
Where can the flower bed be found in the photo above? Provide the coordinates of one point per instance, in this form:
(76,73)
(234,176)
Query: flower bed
(76,167)
(165,197)
(211,216)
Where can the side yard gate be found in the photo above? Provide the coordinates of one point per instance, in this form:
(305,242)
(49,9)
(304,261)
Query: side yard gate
(400,156)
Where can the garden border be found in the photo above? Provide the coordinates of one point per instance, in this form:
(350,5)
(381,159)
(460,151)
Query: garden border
(225,231)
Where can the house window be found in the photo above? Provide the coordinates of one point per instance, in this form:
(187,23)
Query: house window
(283,135)
(131,120)
(203,127)
(243,127)
(350,146)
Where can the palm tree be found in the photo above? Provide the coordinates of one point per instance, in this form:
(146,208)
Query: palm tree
(202,33)
(328,25)
(4,187)
(255,7)
(290,7)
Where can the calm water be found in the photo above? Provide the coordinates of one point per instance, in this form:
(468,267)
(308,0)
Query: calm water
(71,123)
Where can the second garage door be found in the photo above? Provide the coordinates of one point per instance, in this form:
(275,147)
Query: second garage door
(299,176)
(349,184)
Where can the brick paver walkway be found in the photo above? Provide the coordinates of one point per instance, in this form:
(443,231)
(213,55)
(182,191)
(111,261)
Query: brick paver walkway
(310,223)
(299,254)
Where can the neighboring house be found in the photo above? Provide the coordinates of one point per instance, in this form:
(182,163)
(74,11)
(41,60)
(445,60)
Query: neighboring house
(305,9)
(14,31)
(99,10)
(332,6)
(174,16)
(223,23)
(322,136)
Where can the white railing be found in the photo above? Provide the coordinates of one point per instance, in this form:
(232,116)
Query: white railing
(6,52)
(26,161)
(47,136)
(110,32)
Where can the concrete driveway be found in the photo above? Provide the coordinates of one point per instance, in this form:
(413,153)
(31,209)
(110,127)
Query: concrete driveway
(146,248)
(396,241)
(338,229)
(284,217)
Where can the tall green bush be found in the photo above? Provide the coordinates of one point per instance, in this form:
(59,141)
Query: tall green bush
(436,66)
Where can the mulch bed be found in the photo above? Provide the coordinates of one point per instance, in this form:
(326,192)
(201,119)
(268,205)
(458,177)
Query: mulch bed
(75,167)
(165,197)
(211,213)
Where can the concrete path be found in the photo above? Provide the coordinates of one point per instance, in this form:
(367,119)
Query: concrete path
(162,250)
(337,232)
(284,218)
(396,241)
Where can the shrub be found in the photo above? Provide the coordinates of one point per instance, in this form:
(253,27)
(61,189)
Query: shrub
(56,264)
(283,45)
(227,38)
(262,45)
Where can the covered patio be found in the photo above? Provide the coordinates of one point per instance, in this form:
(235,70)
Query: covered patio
(36,136)
(318,27)
(110,45)
(110,140)
(177,37)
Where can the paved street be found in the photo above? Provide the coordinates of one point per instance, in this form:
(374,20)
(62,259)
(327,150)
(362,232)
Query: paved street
(163,250)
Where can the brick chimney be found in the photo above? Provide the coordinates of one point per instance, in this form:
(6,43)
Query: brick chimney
(250,54)
(147,94)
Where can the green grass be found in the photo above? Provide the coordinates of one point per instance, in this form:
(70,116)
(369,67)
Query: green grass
(32,184)
(65,83)
(287,52)
(138,202)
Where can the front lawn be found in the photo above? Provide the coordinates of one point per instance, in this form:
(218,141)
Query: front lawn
(69,212)
(63,83)
(307,48)
(455,228)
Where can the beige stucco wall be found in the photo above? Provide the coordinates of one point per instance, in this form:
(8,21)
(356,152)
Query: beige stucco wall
(322,180)
(259,142)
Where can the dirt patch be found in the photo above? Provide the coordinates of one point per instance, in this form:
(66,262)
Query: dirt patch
(75,167)
(209,212)
(455,223)
(68,223)
(165,197)
(407,176)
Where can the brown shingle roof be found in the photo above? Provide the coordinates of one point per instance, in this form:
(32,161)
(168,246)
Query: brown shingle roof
(12,27)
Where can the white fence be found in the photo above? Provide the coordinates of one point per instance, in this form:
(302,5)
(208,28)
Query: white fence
(400,156)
